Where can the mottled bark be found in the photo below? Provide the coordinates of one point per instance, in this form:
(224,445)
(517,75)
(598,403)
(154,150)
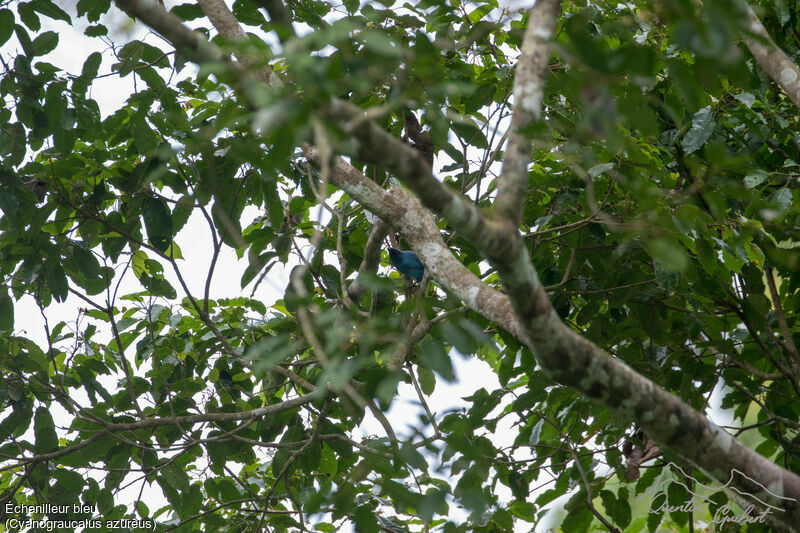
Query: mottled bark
(417,226)
(228,27)
(512,186)
(189,42)
(222,19)
(770,57)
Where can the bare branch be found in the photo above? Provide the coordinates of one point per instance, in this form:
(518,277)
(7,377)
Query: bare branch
(788,339)
(179,421)
(372,255)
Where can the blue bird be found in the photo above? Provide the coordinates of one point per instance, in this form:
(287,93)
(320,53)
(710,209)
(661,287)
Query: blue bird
(407,263)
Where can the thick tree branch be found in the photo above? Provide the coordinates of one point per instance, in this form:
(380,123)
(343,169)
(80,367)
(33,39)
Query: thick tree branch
(418,227)
(228,27)
(222,19)
(770,57)
(512,187)
(380,147)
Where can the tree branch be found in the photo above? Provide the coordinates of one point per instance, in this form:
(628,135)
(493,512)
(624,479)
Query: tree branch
(228,27)
(566,356)
(512,186)
(788,339)
(418,227)
(770,57)
(372,255)
(176,420)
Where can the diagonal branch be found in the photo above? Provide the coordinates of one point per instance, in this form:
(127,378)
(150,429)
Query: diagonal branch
(418,227)
(770,57)
(788,339)
(228,27)
(171,27)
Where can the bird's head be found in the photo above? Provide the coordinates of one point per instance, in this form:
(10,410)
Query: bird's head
(394,252)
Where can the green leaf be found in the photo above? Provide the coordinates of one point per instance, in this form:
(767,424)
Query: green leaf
(44,430)
(427,380)
(433,502)
(523,510)
(470,133)
(536,433)
(364,518)
(228,224)
(755,178)
(653,521)
(29,17)
(57,281)
(782,11)
(458,338)
(6,312)
(137,53)
(84,261)
(519,485)
(782,199)
(380,43)
(187,11)
(18,421)
(93,8)
(49,9)
(668,254)
(434,355)
(44,43)
(158,222)
(6,25)
(479,12)
(69,483)
(91,65)
(617,508)
(700,131)
(97,30)
(328,465)
(579,518)
(746,98)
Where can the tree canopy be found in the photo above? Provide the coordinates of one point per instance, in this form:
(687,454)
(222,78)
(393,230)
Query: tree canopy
(610,222)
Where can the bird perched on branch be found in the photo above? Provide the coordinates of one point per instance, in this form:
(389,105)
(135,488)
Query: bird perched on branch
(407,263)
